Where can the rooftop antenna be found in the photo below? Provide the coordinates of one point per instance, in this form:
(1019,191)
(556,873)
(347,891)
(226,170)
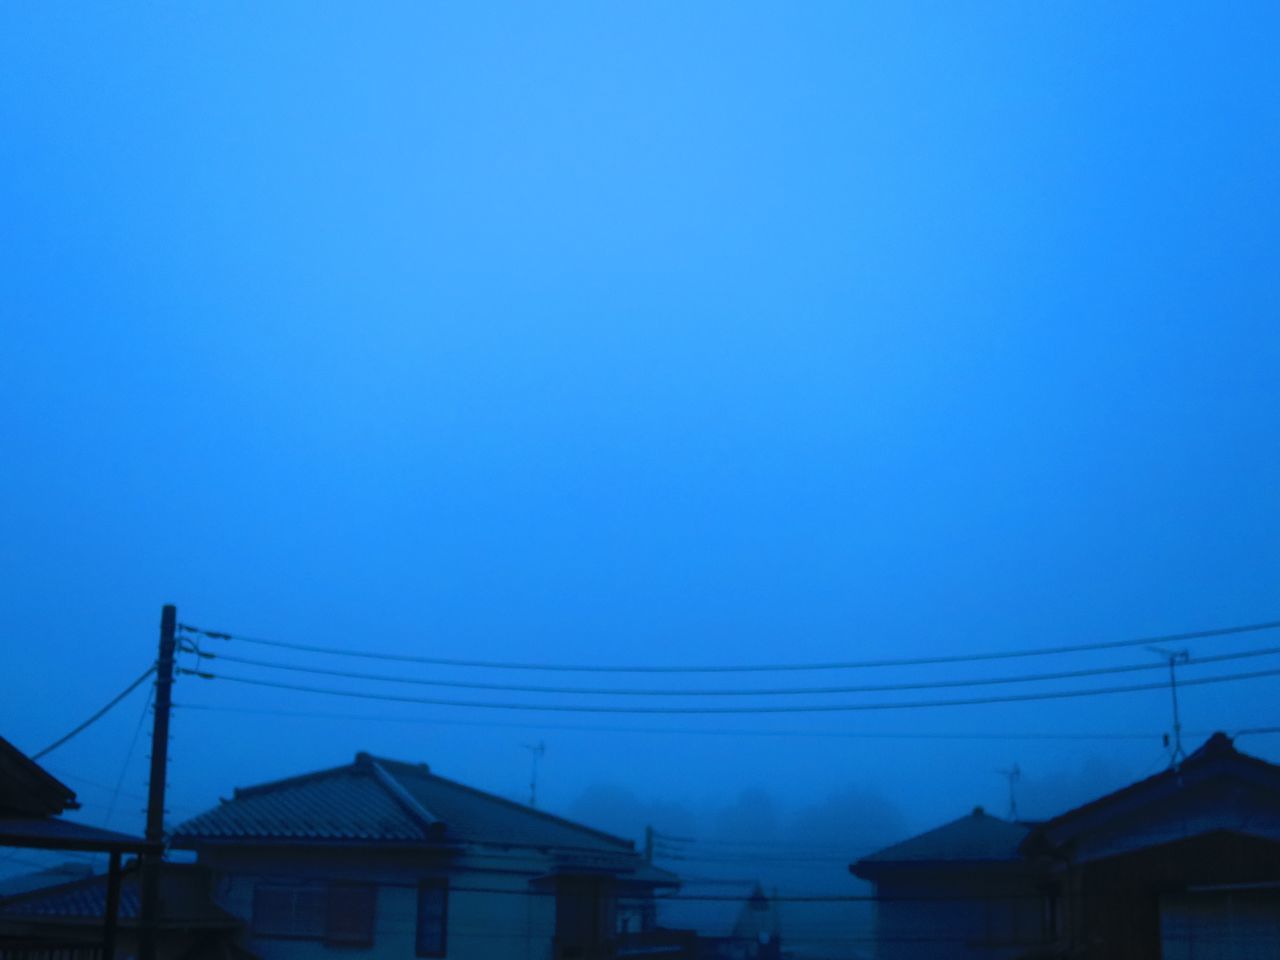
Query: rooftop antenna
(537,749)
(1013,775)
(1174,657)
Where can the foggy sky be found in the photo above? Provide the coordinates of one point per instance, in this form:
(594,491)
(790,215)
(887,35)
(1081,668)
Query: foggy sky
(661,333)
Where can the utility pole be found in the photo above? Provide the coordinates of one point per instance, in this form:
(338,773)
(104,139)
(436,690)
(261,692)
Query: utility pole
(1174,657)
(149,921)
(648,844)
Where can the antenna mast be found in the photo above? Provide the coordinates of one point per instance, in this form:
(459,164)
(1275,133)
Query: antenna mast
(1013,775)
(1174,657)
(537,749)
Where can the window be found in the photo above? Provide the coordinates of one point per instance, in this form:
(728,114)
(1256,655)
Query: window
(339,913)
(350,919)
(289,910)
(433,918)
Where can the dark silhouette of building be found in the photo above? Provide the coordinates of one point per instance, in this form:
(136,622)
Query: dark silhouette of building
(32,804)
(384,858)
(1183,864)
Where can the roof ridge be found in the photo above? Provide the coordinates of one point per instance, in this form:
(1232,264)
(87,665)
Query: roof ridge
(412,806)
(564,821)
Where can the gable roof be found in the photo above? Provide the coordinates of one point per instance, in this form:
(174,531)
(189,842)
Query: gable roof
(1217,761)
(380,801)
(975,838)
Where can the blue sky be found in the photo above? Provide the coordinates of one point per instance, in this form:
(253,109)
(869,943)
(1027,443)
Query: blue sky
(649,332)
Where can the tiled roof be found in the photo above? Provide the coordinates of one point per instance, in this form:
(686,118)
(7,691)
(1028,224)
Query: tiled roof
(52,833)
(1216,759)
(975,838)
(387,801)
(347,803)
(185,899)
(47,877)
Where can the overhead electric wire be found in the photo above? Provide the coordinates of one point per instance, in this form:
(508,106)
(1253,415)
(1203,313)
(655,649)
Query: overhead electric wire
(746,709)
(687,843)
(683,732)
(97,716)
(750,692)
(743,668)
(816,897)
(124,767)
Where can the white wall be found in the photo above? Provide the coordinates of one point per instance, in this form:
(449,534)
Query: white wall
(494,912)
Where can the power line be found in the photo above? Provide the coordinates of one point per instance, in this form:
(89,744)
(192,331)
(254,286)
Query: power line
(65,775)
(97,716)
(741,668)
(750,692)
(1250,731)
(780,864)
(794,708)
(799,846)
(675,731)
(124,767)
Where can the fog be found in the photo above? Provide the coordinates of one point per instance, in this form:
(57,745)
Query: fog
(665,336)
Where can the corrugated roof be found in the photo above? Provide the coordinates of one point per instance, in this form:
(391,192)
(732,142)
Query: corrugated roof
(347,803)
(185,898)
(50,833)
(975,838)
(388,801)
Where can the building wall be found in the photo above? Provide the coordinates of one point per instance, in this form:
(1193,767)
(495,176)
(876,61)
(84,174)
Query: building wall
(1227,925)
(957,916)
(493,912)
(1117,906)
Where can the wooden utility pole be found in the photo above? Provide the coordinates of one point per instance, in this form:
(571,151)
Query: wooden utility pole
(149,922)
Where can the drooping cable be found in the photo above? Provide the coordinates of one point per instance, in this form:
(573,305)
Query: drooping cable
(97,716)
(742,668)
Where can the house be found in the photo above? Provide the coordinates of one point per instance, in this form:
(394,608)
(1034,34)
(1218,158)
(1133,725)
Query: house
(1183,864)
(380,858)
(32,804)
(65,919)
(961,890)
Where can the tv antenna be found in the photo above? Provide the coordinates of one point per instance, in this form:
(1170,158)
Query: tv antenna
(1013,775)
(537,749)
(1174,657)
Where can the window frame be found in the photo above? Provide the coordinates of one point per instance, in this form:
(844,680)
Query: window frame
(438,885)
(263,931)
(340,891)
